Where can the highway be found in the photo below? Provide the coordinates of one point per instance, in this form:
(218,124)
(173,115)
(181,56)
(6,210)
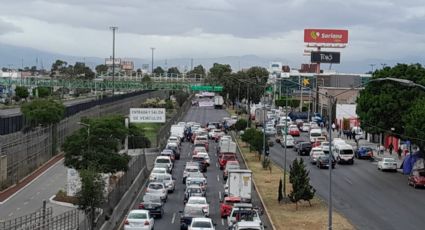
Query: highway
(369,198)
(174,204)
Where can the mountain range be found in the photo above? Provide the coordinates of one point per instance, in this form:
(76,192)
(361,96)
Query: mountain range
(17,56)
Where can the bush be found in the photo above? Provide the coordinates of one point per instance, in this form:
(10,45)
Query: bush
(169,104)
(21,92)
(181,97)
(43,91)
(241,124)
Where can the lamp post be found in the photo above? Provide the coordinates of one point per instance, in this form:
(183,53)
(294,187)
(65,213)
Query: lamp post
(153,49)
(284,152)
(113,28)
(88,134)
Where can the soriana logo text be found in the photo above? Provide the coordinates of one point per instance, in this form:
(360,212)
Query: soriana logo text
(325,36)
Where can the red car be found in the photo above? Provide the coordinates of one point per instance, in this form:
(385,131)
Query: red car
(224,158)
(417,178)
(227,205)
(294,132)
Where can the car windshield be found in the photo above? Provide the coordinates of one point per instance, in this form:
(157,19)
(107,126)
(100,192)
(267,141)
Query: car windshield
(389,160)
(231,166)
(194,190)
(192,170)
(156,186)
(135,215)
(158,170)
(163,161)
(346,152)
(193,212)
(306,145)
(315,134)
(196,201)
(201,224)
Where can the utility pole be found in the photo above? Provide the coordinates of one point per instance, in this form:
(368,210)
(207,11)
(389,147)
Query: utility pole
(152,48)
(113,28)
(284,159)
(372,65)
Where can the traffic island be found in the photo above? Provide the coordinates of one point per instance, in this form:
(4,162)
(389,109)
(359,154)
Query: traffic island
(286,215)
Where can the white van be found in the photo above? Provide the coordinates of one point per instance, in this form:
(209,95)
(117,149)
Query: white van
(314,133)
(343,153)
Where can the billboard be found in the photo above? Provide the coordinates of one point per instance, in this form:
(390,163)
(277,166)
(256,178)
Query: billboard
(325,57)
(147,115)
(325,36)
(108,61)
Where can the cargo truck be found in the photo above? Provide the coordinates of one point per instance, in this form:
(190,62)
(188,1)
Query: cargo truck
(218,102)
(239,184)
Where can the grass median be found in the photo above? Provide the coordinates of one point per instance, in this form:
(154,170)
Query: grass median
(151,131)
(285,216)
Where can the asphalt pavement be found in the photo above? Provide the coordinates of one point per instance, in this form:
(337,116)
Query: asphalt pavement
(30,198)
(215,187)
(369,198)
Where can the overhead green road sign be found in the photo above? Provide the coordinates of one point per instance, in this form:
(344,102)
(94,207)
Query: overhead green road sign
(208,88)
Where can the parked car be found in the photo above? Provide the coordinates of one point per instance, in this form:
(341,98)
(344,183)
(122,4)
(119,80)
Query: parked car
(387,163)
(417,178)
(202,224)
(139,220)
(323,161)
(153,203)
(364,152)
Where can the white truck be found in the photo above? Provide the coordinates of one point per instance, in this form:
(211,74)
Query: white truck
(218,102)
(239,184)
(248,225)
(260,116)
(177,130)
(227,146)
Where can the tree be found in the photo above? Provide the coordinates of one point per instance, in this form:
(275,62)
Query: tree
(219,71)
(414,121)
(198,71)
(241,124)
(22,92)
(381,104)
(137,138)
(181,97)
(90,195)
(101,69)
(42,91)
(98,149)
(43,112)
(173,72)
(248,135)
(300,180)
(258,77)
(81,71)
(146,79)
(279,192)
(158,71)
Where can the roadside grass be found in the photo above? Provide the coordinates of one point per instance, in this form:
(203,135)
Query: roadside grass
(285,216)
(150,130)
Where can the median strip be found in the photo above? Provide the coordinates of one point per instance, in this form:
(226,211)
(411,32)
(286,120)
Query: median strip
(285,216)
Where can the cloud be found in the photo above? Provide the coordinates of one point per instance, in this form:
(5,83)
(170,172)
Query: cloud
(7,27)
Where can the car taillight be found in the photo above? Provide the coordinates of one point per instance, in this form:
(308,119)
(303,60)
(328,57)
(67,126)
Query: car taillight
(141,206)
(146,222)
(126,222)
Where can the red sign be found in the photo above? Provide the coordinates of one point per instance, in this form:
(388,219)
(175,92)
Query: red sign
(325,36)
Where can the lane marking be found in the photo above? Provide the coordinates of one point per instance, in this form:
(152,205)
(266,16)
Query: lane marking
(219,195)
(17,209)
(26,202)
(222,221)
(38,193)
(32,198)
(346,179)
(218,178)
(174,217)
(11,214)
(216,164)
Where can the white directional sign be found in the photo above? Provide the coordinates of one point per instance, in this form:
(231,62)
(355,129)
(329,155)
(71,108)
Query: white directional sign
(147,115)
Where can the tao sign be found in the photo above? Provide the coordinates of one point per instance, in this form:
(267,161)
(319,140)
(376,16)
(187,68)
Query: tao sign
(325,57)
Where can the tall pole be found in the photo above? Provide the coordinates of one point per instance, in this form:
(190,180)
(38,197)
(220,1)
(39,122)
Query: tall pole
(330,162)
(301,99)
(113,28)
(153,49)
(284,153)
(317,85)
(249,108)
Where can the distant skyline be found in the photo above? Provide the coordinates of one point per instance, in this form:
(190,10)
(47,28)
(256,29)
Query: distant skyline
(380,31)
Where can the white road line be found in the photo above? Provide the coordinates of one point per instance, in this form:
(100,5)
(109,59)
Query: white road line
(218,178)
(219,195)
(26,202)
(32,198)
(222,221)
(216,164)
(17,209)
(38,193)
(174,217)
(346,179)
(11,214)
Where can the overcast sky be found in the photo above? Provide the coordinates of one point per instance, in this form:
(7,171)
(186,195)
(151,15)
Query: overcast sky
(378,29)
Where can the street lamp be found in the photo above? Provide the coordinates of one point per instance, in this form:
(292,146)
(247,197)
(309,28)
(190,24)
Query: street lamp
(88,133)
(153,49)
(113,28)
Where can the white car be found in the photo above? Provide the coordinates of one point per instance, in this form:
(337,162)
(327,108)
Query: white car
(270,131)
(315,153)
(156,171)
(158,188)
(205,156)
(174,139)
(201,224)
(305,128)
(325,147)
(199,202)
(167,179)
(139,220)
(164,160)
(387,163)
(289,141)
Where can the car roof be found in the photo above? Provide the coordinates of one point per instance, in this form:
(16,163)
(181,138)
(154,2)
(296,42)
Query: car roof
(204,219)
(139,211)
(197,198)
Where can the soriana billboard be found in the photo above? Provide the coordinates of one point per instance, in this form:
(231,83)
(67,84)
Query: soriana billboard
(325,36)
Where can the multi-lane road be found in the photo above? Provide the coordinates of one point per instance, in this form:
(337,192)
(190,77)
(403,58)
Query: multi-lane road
(369,198)
(215,190)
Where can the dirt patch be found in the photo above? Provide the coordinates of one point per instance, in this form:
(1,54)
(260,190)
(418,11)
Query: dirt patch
(62,197)
(285,216)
